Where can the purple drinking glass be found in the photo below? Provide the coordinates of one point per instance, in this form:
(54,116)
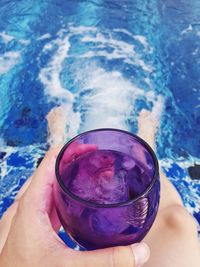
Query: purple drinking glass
(107,189)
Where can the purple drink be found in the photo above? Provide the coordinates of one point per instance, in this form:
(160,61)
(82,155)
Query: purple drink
(110,177)
(108,188)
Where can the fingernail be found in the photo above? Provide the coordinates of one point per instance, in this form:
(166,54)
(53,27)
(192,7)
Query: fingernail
(141,253)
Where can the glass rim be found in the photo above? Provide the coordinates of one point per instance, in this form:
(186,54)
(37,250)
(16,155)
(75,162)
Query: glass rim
(113,205)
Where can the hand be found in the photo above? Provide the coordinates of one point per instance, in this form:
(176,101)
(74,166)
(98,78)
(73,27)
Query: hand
(28,235)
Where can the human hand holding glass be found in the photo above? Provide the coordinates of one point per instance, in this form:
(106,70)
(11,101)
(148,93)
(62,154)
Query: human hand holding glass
(28,231)
(107,194)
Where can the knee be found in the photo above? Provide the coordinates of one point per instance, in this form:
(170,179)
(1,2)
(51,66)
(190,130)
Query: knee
(178,219)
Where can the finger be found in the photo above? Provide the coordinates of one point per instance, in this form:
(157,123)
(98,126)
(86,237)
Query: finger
(83,148)
(6,222)
(125,256)
(36,210)
(7,218)
(36,207)
(75,150)
(37,202)
(50,154)
(39,195)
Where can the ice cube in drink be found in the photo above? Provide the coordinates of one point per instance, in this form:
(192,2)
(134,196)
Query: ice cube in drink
(105,177)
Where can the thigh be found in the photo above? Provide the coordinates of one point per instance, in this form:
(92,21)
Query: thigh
(173,238)
(168,194)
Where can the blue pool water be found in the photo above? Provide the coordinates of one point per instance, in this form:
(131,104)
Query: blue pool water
(104,61)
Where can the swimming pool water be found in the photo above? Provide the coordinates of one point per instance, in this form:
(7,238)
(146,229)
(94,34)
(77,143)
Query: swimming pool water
(104,61)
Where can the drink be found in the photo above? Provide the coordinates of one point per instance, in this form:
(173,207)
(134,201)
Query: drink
(107,189)
(106,177)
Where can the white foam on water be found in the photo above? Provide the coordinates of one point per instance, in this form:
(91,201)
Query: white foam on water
(6,37)
(50,77)
(105,41)
(158,104)
(44,36)
(8,60)
(141,38)
(148,82)
(187,30)
(196,51)
(2,142)
(120,49)
(124,31)
(82,29)
(110,102)
(47,47)
(24,41)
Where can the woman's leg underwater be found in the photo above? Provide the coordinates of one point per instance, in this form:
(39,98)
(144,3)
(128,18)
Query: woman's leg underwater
(57,121)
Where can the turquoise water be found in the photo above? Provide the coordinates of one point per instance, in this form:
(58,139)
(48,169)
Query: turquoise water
(104,61)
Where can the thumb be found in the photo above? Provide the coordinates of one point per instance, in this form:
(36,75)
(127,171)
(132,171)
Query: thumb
(124,256)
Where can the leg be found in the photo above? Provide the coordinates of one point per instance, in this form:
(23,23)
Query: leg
(147,127)
(173,237)
(57,121)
